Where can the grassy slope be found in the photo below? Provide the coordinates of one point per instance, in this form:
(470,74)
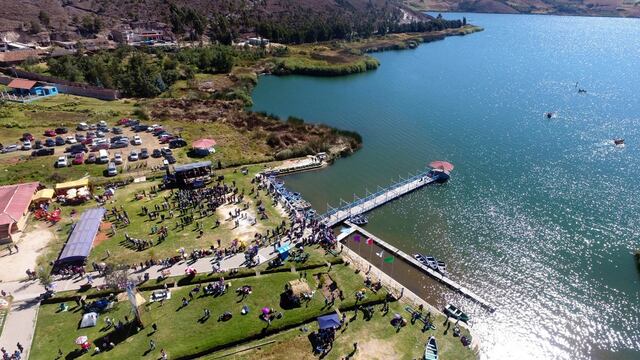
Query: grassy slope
(179,331)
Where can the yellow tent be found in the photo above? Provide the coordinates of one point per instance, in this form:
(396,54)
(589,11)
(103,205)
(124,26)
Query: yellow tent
(43,195)
(84,182)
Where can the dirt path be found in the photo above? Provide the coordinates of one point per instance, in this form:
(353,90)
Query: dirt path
(30,246)
(246,229)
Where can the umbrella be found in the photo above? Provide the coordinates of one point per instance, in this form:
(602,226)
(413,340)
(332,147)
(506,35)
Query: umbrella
(444,165)
(81,340)
(266,310)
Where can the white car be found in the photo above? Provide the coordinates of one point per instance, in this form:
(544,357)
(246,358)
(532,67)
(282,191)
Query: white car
(26,145)
(71,140)
(117,158)
(102,123)
(82,126)
(153,127)
(62,162)
(98,141)
(136,140)
(133,156)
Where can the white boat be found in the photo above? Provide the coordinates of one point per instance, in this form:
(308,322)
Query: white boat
(431,350)
(428,261)
(442,267)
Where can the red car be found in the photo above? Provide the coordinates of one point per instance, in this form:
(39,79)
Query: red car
(123,121)
(50,133)
(78,159)
(166,138)
(27,137)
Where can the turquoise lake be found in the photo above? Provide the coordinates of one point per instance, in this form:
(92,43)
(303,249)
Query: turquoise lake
(541,216)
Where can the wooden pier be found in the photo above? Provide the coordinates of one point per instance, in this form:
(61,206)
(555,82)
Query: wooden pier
(360,206)
(419,266)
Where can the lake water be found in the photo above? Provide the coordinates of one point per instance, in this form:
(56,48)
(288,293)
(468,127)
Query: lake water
(540,216)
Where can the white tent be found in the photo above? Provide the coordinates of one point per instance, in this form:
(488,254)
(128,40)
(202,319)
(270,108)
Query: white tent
(89,320)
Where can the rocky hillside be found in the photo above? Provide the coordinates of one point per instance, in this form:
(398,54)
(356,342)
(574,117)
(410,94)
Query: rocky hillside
(626,8)
(86,18)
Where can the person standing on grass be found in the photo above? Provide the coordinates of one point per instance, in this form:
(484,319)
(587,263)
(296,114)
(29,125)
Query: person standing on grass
(152,345)
(163,355)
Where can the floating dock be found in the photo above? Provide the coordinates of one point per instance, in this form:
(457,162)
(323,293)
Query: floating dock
(392,250)
(361,206)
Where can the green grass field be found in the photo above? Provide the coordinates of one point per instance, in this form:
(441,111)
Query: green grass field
(180,330)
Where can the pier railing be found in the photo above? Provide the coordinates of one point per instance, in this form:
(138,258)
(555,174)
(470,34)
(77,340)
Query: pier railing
(370,201)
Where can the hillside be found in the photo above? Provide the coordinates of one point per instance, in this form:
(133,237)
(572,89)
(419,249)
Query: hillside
(70,19)
(624,8)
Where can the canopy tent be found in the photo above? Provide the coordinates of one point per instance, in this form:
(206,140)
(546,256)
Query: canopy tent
(84,182)
(283,251)
(89,320)
(43,195)
(298,287)
(442,165)
(79,245)
(193,166)
(204,144)
(140,300)
(329,321)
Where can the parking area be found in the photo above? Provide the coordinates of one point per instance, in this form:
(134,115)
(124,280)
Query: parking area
(87,151)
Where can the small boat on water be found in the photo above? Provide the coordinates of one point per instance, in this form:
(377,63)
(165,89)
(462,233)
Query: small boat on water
(442,267)
(428,261)
(550,114)
(456,313)
(358,220)
(431,350)
(618,141)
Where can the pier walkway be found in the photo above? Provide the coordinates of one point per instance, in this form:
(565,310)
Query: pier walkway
(381,197)
(397,253)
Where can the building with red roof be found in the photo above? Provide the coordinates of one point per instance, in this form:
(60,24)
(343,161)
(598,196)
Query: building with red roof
(14,208)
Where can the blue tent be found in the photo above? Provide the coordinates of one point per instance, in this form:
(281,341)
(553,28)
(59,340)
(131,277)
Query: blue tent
(329,321)
(283,251)
(79,245)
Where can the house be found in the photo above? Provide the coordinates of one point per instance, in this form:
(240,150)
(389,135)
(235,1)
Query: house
(9,57)
(24,87)
(139,36)
(14,208)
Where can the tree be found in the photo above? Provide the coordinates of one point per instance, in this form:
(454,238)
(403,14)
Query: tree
(140,77)
(35,27)
(44,18)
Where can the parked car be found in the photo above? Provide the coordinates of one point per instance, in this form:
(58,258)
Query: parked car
(102,123)
(80,137)
(166,138)
(136,140)
(133,123)
(50,133)
(144,153)
(166,151)
(156,153)
(177,143)
(78,159)
(10,148)
(153,127)
(26,145)
(158,130)
(37,145)
(124,122)
(82,126)
(49,142)
(76,148)
(71,140)
(27,137)
(117,138)
(119,145)
(170,159)
(61,162)
(102,146)
(100,133)
(43,152)
(133,156)
(93,127)
(59,141)
(116,130)
(91,159)
(102,129)
(61,130)
(117,158)
(112,170)
(139,128)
